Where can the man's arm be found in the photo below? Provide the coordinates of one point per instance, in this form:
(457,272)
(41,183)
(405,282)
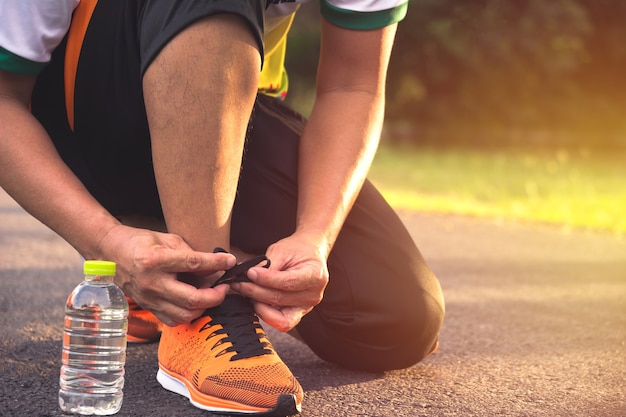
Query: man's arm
(33,173)
(342,134)
(336,151)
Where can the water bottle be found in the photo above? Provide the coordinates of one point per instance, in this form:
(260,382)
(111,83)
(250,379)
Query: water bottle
(94,344)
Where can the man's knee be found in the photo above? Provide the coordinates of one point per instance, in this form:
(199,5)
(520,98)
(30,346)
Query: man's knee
(397,338)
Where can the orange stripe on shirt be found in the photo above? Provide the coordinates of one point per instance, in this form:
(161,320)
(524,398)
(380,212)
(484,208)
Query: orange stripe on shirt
(76,35)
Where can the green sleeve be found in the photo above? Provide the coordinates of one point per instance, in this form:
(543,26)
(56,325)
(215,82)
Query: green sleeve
(362,20)
(15,64)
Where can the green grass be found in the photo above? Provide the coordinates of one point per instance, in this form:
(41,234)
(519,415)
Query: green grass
(570,188)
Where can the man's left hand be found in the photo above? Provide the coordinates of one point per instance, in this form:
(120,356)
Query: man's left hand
(293,284)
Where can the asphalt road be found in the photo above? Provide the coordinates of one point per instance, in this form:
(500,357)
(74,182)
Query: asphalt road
(535,326)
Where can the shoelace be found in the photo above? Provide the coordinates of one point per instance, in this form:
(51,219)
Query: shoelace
(240,328)
(236,316)
(238,272)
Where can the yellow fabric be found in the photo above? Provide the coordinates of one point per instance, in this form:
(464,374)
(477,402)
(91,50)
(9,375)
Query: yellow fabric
(274,81)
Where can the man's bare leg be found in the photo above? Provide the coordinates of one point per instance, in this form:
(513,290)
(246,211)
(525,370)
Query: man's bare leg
(199,93)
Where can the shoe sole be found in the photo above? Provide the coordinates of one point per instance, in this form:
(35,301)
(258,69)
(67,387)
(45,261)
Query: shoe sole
(285,407)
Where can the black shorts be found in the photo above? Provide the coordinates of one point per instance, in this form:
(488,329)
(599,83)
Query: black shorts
(383,307)
(109,142)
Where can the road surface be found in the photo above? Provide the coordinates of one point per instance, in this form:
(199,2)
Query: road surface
(535,326)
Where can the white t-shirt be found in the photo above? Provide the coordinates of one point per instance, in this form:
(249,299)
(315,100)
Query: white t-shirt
(31,29)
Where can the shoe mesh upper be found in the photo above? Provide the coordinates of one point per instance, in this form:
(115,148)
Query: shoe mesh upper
(226,354)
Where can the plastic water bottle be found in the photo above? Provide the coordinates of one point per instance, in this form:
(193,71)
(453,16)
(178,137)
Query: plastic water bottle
(94,344)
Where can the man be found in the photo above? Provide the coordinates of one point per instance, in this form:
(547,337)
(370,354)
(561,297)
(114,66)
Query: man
(148,109)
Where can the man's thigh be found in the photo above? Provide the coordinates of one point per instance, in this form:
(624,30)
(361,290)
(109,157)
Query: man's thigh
(383,306)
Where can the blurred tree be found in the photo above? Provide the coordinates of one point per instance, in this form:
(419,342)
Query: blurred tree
(601,77)
(486,65)
(493,71)
(302,56)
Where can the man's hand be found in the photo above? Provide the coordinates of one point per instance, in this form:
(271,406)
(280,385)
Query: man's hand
(293,284)
(149,268)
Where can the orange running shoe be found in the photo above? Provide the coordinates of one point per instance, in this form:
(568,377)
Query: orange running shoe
(143,326)
(224,363)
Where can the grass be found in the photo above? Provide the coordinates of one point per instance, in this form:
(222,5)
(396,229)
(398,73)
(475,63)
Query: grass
(569,188)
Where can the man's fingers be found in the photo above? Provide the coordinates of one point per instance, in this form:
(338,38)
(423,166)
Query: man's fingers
(172,316)
(283,288)
(290,281)
(283,319)
(184,302)
(192,298)
(174,260)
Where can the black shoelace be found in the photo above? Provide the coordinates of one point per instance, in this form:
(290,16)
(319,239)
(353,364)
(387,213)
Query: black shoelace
(238,272)
(236,316)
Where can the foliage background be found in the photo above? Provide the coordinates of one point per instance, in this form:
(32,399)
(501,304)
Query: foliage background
(495,72)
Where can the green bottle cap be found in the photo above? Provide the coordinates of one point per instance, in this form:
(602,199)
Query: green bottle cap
(99,268)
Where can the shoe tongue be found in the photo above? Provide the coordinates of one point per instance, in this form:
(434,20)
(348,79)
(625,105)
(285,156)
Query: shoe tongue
(234,304)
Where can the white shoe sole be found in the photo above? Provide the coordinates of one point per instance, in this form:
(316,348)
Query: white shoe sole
(286,404)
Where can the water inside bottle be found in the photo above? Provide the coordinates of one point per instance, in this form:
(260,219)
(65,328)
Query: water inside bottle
(94,352)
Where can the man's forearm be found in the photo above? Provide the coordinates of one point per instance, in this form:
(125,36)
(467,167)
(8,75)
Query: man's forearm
(32,172)
(335,155)
(342,134)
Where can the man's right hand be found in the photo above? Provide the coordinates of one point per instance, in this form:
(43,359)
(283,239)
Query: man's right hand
(149,267)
